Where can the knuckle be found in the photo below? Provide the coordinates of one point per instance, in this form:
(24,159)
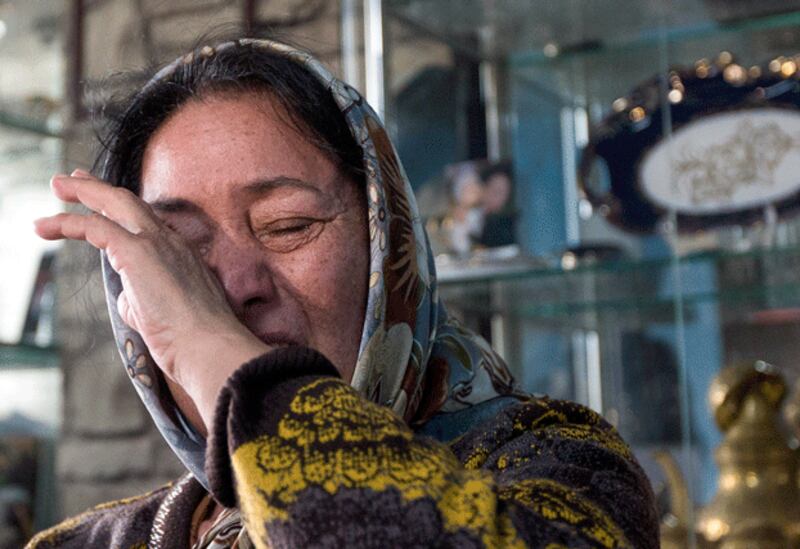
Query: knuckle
(122,195)
(145,244)
(95,221)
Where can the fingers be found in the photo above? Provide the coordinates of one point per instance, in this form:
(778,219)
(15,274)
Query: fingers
(118,204)
(97,230)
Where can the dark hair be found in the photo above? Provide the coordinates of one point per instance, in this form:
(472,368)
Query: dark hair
(239,68)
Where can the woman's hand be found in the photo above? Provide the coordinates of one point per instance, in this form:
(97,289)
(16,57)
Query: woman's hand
(169,295)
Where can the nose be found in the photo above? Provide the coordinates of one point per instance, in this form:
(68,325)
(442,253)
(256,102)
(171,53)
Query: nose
(243,270)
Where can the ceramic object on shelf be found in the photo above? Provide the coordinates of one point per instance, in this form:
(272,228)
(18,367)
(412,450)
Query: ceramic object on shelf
(717,144)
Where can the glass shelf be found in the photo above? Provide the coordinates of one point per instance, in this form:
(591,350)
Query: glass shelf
(582,77)
(706,31)
(568,50)
(745,284)
(550,268)
(540,30)
(28,356)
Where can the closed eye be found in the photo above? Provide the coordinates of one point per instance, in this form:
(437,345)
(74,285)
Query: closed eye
(286,235)
(291,229)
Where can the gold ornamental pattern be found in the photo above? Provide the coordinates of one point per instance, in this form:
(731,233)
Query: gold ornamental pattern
(750,157)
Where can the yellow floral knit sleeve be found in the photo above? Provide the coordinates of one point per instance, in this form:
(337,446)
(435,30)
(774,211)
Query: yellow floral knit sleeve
(313,464)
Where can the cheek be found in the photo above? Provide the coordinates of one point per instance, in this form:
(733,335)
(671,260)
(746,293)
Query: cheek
(329,279)
(334,277)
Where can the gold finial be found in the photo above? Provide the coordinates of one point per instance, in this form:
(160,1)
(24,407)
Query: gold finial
(757,493)
(757,501)
(637,114)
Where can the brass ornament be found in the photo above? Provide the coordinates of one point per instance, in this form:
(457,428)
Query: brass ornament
(675,526)
(757,504)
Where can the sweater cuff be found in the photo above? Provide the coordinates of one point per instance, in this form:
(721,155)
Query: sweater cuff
(251,403)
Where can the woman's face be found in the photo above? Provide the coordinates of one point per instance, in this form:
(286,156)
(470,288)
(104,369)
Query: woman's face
(274,218)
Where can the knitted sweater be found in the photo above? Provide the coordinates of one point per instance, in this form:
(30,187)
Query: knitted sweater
(310,463)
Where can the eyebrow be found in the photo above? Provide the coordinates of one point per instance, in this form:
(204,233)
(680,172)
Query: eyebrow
(176,205)
(255,188)
(266,186)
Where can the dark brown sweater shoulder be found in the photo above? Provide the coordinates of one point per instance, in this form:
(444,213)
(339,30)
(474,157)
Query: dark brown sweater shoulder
(121,524)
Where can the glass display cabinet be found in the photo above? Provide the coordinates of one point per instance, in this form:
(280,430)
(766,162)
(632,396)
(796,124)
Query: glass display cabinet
(655,148)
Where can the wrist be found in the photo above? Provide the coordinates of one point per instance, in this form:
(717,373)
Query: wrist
(210,360)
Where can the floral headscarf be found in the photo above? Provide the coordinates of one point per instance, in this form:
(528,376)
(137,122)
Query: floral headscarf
(413,357)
